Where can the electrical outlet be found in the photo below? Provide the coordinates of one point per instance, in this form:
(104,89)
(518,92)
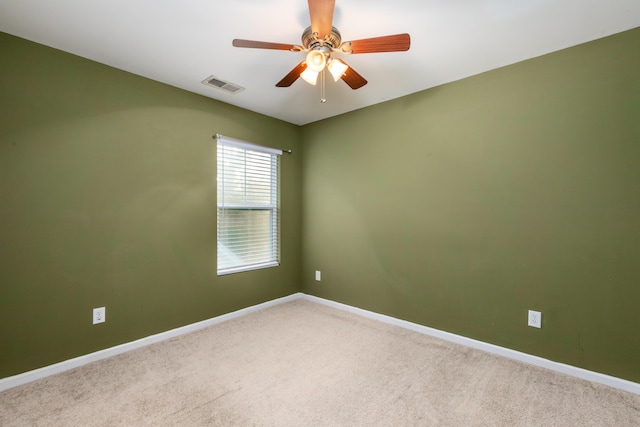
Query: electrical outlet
(535,319)
(99,315)
(318,275)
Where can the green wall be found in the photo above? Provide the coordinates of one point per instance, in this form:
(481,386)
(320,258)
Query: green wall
(107,198)
(463,206)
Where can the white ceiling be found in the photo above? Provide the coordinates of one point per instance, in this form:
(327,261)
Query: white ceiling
(182,42)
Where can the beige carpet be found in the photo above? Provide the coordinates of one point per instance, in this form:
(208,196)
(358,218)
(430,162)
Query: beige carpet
(302,364)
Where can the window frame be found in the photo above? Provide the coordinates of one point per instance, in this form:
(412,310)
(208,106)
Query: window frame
(223,206)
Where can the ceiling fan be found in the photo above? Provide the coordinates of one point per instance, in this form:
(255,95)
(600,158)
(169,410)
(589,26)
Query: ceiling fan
(320,40)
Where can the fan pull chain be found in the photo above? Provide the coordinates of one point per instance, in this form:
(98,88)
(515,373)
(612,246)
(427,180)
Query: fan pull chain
(322,95)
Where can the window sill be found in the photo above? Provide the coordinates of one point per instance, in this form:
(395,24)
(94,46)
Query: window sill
(227,271)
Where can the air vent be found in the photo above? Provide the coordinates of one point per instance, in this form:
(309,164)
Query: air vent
(223,85)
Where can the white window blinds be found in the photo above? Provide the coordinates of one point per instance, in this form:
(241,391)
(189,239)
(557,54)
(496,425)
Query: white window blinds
(248,206)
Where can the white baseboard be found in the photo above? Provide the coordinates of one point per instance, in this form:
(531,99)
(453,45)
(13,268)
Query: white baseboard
(26,377)
(36,374)
(573,371)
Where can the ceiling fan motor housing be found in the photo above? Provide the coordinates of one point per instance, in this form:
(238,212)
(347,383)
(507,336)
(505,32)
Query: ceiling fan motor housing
(312,40)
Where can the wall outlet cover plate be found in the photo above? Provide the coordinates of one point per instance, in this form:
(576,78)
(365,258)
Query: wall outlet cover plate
(535,319)
(99,315)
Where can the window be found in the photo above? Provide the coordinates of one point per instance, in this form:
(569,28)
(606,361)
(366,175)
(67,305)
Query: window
(248,206)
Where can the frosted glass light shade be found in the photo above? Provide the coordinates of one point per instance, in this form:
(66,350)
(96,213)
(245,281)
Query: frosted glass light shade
(316,61)
(309,76)
(337,68)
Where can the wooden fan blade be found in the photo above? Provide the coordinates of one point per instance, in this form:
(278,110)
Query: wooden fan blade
(353,79)
(261,45)
(321,14)
(293,75)
(394,43)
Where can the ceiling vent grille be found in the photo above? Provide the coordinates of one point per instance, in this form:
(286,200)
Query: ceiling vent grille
(222,85)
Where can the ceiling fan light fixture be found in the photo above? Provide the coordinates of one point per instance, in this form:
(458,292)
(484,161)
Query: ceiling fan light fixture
(337,68)
(319,40)
(316,60)
(310,76)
